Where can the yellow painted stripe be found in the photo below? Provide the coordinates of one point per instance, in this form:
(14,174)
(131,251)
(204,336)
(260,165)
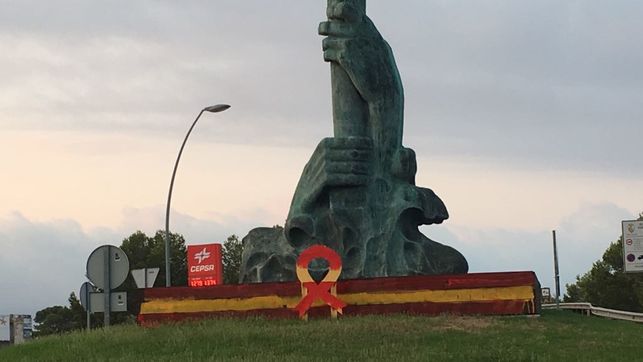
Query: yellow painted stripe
(216,305)
(274,302)
(441,296)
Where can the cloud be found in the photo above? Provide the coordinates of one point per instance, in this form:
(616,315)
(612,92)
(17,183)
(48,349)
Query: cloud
(195,230)
(582,237)
(42,262)
(541,85)
(148,68)
(538,85)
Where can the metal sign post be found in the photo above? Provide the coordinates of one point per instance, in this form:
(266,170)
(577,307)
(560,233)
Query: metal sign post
(107,278)
(85,290)
(89,314)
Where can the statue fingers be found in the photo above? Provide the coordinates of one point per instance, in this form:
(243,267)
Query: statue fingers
(332,55)
(332,143)
(324,144)
(326,168)
(352,143)
(351,168)
(330,43)
(346,180)
(320,154)
(345,11)
(349,155)
(333,49)
(336,28)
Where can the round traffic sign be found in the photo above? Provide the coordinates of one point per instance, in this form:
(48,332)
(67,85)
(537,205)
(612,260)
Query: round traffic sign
(107,261)
(85,289)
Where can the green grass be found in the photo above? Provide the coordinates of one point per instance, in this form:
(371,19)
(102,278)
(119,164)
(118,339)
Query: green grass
(556,335)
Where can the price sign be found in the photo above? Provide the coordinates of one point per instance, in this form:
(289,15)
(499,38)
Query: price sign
(204,265)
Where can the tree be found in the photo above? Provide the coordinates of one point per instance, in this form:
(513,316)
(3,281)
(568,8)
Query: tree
(149,252)
(231,255)
(59,319)
(607,285)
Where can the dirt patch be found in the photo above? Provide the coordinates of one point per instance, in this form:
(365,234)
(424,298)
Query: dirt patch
(462,323)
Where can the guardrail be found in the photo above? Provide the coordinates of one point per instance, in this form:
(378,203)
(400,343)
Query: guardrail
(598,311)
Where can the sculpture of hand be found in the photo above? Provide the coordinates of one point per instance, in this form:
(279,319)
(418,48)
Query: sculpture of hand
(354,44)
(337,162)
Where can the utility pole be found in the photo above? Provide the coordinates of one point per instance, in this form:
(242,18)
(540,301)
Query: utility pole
(556,273)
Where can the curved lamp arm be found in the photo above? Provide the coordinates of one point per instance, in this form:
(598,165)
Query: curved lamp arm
(212,109)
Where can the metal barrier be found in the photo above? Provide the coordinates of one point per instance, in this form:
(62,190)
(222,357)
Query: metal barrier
(598,311)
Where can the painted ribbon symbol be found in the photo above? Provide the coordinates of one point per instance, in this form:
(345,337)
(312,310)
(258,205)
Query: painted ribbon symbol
(326,289)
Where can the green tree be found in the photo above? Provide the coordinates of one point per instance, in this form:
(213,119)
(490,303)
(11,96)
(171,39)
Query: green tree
(231,255)
(59,319)
(606,284)
(149,252)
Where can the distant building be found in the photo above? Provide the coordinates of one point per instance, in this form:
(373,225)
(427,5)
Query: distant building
(15,329)
(547,297)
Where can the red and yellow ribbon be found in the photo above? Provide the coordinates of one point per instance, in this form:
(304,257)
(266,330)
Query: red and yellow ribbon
(326,290)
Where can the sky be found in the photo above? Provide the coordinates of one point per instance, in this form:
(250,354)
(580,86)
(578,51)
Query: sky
(525,118)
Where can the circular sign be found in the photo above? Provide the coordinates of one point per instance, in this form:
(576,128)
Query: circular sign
(85,289)
(631,258)
(107,261)
(628,241)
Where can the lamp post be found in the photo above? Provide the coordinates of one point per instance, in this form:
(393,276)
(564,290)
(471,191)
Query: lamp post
(211,109)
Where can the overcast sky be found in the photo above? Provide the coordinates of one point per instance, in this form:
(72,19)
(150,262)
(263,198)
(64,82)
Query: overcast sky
(525,116)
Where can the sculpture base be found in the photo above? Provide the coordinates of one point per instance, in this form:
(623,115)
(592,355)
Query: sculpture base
(506,293)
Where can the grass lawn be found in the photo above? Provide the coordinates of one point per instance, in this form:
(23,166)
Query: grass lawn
(556,335)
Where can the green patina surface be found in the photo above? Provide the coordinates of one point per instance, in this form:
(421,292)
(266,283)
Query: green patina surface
(357,194)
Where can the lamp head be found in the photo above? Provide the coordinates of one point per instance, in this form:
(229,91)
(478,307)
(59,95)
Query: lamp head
(216,108)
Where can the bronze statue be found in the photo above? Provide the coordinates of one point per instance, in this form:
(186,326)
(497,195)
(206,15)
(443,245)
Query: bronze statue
(357,193)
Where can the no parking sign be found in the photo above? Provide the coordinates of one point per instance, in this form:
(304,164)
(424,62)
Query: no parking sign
(632,246)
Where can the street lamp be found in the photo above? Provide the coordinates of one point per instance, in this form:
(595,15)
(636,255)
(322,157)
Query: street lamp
(211,109)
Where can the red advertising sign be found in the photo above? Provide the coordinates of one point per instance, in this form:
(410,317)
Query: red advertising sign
(204,265)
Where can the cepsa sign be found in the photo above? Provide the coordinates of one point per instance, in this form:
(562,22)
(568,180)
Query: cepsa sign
(204,265)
